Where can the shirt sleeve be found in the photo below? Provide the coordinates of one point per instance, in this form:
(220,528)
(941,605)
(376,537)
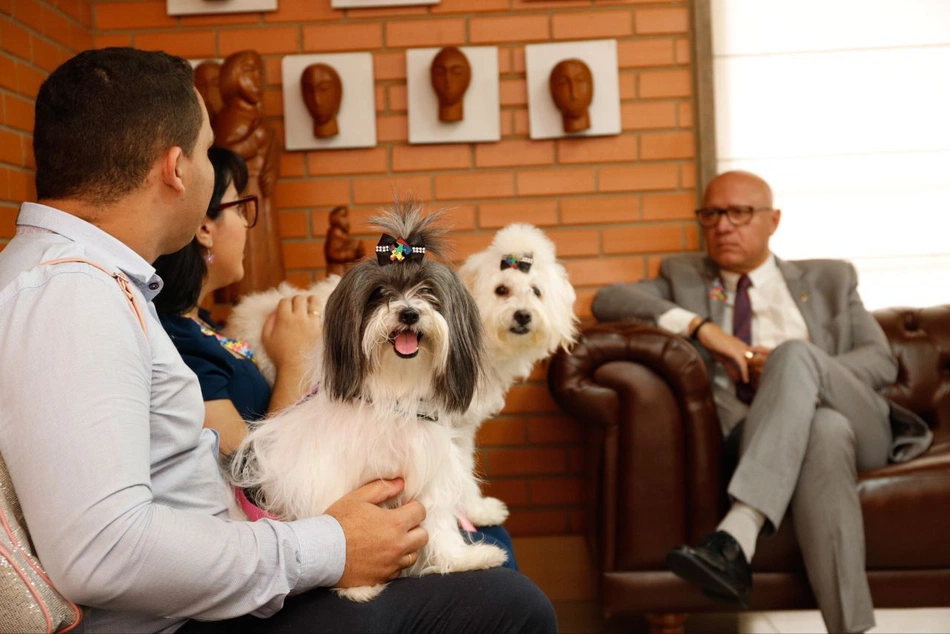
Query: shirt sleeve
(676,320)
(76,375)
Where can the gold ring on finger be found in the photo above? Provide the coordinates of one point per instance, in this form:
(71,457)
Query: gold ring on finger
(749,354)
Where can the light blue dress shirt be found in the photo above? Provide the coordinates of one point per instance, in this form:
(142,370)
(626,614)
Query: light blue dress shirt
(101,428)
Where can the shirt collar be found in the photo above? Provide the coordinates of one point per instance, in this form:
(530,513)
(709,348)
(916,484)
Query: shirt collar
(759,276)
(102,248)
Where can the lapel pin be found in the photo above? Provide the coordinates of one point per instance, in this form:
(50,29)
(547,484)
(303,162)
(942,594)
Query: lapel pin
(803,297)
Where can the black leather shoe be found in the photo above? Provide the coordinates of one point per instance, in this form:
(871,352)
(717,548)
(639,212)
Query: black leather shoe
(717,565)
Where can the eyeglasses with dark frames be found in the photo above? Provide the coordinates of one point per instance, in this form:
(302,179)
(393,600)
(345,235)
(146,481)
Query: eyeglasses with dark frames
(246,207)
(738,215)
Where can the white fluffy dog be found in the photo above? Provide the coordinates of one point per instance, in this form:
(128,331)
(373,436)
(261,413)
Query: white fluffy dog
(247,319)
(527,311)
(402,354)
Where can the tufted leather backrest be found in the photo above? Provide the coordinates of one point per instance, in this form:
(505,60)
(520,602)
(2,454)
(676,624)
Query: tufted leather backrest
(920,338)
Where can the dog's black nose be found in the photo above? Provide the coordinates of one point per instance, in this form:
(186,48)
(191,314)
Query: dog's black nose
(523,317)
(409,316)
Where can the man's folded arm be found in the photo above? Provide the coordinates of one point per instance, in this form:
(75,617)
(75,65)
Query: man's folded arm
(75,434)
(647,300)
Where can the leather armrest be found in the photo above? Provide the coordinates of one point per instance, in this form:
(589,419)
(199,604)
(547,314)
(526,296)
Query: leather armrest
(644,395)
(571,376)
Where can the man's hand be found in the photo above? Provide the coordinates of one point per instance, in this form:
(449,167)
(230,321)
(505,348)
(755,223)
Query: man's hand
(728,350)
(379,542)
(760,355)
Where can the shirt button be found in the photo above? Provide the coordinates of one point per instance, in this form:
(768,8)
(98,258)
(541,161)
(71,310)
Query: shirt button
(153,286)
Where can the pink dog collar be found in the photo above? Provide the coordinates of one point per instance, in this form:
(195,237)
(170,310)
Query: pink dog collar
(252,511)
(464,522)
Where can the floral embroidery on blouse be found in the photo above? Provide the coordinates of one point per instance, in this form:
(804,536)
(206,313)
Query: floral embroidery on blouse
(238,346)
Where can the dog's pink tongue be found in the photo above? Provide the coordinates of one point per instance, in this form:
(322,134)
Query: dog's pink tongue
(407,342)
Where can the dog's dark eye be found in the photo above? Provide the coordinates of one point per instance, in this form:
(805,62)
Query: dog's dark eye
(425,290)
(377,294)
(537,291)
(501,291)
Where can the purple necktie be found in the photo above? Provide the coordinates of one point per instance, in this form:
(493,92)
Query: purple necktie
(742,329)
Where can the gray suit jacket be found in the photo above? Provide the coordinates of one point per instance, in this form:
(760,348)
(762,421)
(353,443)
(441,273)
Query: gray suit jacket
(825,292)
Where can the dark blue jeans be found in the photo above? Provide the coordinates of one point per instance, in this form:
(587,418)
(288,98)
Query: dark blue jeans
(492,601)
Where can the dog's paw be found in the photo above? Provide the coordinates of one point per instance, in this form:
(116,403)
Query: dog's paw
(487,511)
(361,594)
(479,557)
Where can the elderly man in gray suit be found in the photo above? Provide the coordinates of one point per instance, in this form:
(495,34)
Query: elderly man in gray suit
(795,361)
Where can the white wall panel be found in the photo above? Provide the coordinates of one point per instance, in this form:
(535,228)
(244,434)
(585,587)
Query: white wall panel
(844,107)
(886,218)
(748,27)
(822,104)
(906,281)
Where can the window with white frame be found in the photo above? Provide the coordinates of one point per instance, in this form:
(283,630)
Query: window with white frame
(844,107)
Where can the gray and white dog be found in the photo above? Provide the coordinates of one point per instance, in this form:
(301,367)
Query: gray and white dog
(401,358)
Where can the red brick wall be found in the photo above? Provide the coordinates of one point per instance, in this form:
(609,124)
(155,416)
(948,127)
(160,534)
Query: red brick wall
(35,37)
(614,205)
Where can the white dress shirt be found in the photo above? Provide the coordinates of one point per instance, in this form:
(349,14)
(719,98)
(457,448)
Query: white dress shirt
(101,427)
(775,319)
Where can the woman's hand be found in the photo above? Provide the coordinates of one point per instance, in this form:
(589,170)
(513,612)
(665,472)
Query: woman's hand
(291,332)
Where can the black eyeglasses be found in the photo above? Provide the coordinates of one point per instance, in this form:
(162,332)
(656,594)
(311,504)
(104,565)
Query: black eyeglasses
(737,214)
(247,208)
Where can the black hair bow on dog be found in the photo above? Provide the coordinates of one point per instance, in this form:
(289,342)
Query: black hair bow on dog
(390,249)
(521,262)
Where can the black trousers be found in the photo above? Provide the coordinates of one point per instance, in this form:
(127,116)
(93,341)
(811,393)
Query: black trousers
(490,601)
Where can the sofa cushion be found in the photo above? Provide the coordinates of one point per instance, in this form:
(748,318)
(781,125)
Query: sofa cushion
(920,339)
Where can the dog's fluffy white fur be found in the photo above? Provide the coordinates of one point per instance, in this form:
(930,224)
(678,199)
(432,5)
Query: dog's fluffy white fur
(246,320)
(526,316)
(401,356)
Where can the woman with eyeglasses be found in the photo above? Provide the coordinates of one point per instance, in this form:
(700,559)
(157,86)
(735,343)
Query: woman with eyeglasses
(233,388)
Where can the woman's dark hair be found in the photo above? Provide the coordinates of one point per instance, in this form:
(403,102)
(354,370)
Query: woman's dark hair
(105,116)
(184,270)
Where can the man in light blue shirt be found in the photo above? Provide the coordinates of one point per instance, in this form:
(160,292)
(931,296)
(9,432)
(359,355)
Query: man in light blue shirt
(101,421)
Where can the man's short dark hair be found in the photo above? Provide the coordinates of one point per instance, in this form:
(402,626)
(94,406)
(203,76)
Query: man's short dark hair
(105,116)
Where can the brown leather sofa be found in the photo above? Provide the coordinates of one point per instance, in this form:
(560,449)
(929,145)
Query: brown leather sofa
(656,479)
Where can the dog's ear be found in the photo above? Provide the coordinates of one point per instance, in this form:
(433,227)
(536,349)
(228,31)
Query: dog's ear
(468,272)
(478,270)
(456,385)
(344,364)
(567,321)
(558,301)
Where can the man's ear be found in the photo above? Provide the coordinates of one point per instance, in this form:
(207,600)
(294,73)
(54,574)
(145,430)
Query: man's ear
(172,169)
(776,219)
(205,233)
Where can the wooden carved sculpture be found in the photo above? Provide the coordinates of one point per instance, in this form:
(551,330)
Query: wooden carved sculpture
(572,88)
(207,75)
(450,74)
(322,91)
(341,252)
(241,127)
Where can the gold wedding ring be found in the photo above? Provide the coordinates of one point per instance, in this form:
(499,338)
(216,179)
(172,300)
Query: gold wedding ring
(313,312)
(749,355)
